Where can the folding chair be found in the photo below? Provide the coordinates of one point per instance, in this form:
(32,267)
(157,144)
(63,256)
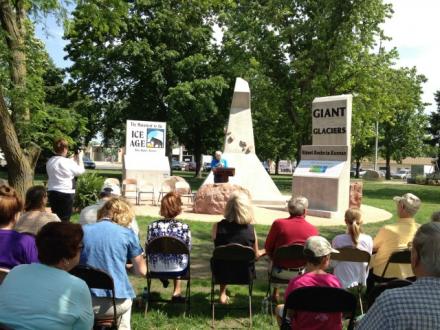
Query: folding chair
(292,252)
(234,256)
(184,190)
(320,300)
(168,245)
(378,289)
(3,273)
(98,279)
(397,257)
(145,188)
(164,189)
(130,186)
(350,254)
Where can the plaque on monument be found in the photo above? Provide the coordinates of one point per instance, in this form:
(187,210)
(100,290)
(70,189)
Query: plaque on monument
(222,174)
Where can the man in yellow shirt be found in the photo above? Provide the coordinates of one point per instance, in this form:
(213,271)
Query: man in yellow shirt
(393,237)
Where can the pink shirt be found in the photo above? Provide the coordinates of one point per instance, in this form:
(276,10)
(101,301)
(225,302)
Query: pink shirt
(312,320)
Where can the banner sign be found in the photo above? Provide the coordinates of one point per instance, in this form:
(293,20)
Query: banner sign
(145,137)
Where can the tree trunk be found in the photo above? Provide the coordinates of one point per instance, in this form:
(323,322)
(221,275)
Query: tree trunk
(277,163)
(13,23)
(358,167)
(198,160)
(21,163)
(388,168)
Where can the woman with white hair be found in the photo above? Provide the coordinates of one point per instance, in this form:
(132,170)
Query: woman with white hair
(237,227)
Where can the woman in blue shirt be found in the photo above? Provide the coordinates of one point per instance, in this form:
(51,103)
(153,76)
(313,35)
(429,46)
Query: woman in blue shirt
(108,244)
(46,296)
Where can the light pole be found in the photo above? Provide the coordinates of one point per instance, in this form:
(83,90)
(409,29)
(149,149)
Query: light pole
(376,145)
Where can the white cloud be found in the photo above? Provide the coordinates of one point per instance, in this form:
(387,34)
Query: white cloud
(414,29)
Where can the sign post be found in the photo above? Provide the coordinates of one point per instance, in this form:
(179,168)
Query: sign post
(323,174)
(144,158)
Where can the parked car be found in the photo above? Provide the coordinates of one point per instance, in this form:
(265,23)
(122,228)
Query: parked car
(403,174)
(88,163)
(178,166)
(191,166)
(361,172)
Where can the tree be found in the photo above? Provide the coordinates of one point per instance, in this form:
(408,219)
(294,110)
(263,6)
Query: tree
(151,61)
(434,128)
(22,89)
(404,133)
(306,48)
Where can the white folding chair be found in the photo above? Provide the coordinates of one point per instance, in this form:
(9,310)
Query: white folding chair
(146,188)
(184,190)
(164,189)
(130,186)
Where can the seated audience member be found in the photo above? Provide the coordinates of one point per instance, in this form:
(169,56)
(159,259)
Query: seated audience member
(236,227)
(35,215)
(317,252)
(15,248)
(292,230)
(171,207)
(393,237)
(107,246)
(89,214)
(352,273)
(46,296)
(416,306)
(435,217)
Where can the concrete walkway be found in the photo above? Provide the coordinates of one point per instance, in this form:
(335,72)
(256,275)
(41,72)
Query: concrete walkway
(265,216)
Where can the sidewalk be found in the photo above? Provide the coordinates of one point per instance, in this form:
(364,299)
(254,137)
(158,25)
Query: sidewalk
(265,216)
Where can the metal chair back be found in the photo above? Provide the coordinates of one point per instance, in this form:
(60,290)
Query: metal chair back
(321,300)
(398,257)
(97,279)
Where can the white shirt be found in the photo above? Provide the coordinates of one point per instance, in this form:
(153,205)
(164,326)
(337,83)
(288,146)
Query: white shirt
(352,273)
(89,215)
(61,171)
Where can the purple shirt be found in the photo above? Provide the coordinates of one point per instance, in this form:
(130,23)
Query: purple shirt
(16,249)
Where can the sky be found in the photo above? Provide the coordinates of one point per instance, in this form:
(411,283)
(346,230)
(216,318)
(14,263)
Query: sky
(414,29)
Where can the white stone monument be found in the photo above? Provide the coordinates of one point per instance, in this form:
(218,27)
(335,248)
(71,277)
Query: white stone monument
(239,151)
(145,158)
(323,174)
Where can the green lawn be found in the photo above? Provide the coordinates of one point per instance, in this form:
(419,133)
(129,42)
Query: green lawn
(162,316)
(170,316)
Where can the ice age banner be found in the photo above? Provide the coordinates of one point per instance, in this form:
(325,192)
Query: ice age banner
(145,137)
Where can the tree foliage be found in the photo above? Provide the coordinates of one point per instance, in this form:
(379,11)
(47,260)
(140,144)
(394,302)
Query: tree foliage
(434,129)
(404,132)
(306,49)
(151,60)
(27,120)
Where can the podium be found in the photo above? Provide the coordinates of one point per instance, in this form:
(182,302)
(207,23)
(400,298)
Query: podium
(222,174)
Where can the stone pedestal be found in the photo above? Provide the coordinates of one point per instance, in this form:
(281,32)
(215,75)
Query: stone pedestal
(212,198)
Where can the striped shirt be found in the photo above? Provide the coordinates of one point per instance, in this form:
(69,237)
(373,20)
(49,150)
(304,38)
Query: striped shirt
(416,306)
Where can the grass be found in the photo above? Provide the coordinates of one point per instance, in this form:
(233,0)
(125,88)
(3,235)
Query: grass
(163,316)
(171,316)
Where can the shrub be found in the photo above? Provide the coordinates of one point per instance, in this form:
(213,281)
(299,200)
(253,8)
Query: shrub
(420,179)
(88,187)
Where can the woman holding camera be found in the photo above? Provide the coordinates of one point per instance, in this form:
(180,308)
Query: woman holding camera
(61,185)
